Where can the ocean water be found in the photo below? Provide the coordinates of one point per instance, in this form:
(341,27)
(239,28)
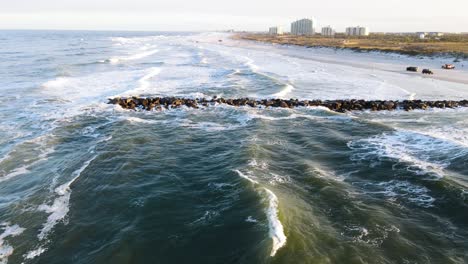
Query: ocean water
(82,181)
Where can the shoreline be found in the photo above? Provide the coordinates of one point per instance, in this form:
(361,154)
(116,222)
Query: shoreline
(428,49)
(459,75)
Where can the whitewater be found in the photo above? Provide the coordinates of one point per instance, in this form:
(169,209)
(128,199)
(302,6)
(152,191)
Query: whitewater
(83,181)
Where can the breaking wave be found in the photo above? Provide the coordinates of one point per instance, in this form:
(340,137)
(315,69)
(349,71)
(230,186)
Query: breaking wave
(8,231)
(276,230)
(137,56)
(288,88)
(421,153)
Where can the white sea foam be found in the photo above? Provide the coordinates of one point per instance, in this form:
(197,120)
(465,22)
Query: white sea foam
(206,218)
(262,164)
(137,56)
(38,146)
(327,173)
(397,191)
(145,80)
(274,224)
(8,231)
(246,177)
(132,119)
(276,230)
(287,89)
(59,209)
(374,235)
(210,126)
(250,219)
(137,41)
(256,115)
(423,153)
(16,172)
(278,179)
(34,253)
(59,82)
(250,64)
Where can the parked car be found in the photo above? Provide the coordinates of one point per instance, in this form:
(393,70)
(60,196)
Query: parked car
(448,66)
(412,69)
(427,71)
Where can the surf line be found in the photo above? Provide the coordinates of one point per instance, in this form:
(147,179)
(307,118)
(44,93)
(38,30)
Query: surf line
(276,230)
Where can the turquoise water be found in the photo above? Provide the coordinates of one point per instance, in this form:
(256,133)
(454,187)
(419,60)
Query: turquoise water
(86,182)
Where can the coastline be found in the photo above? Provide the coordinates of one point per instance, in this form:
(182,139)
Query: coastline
(457,50)
(339,56)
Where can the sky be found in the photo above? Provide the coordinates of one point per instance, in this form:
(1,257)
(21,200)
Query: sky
(249,15)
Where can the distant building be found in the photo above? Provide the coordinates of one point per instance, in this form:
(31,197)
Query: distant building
(328,31)
(436,34)
(357,31)
(303,27)
(275,31)
(421,35)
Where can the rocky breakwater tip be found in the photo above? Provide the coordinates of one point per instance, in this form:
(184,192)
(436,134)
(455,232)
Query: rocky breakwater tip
(158,103)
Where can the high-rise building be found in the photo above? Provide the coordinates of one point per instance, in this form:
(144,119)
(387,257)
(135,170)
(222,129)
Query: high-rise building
(328,31)
(357,31)
(303,27)
(275,31)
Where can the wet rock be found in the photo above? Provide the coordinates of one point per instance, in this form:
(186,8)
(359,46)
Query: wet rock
(283,104)
(149,103)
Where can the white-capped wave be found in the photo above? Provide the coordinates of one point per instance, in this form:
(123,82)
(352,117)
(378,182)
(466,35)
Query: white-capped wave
(250,64)
(246,177)
(210,126)
(132,119)
(138,40)
(59,209)
(276,230)
(34,253)
(373,235)
(250,219)
(137,56)
(145,80)
(287,89)
(396,191)
(37,146)
(8,231)
(422,153)
(16,172)
(278,179)
(59,82)
(274,224)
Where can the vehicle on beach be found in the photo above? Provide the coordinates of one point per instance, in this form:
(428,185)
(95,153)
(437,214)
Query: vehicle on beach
(427,71)
(412,69)
(448,66)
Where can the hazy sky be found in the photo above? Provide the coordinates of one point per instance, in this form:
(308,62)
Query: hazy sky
(378,15)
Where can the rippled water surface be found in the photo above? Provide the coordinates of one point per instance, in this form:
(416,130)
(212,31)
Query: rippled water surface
(86,182)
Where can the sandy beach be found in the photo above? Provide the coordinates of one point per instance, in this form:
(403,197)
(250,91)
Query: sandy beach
(389,62)
(325,73)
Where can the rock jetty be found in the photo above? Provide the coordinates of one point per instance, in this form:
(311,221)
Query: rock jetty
(158,103)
